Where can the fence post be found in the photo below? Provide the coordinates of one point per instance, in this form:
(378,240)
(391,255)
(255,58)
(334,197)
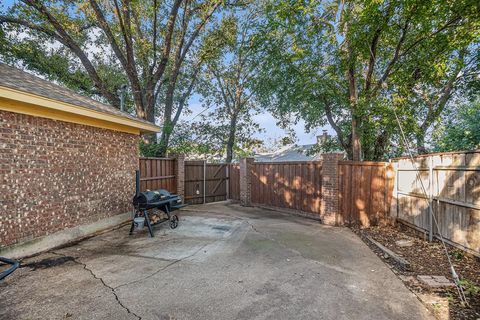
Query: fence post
(180,175)
(227,173)
(430,198)
(397,181)
(246,165)
(329,204)
(204,180)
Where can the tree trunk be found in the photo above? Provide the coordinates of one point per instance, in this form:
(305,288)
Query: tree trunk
(167,122)
(163,144)
(355,139)
(164,138)
(421,149)
(355,143)
(150,116)
(380,147)
(352,91)
(231,138)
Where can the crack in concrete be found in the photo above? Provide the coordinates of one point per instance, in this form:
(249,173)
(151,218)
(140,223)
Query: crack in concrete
(85,267)
(333,267)
(162,268)
(298,253)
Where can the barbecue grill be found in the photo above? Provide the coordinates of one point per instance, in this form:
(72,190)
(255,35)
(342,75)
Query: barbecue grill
(155,199)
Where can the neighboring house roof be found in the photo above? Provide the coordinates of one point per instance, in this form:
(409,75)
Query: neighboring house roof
(288,153)
(20,86)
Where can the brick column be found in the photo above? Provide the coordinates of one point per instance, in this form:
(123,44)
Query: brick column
(246,181)
(329,204)
(180,175)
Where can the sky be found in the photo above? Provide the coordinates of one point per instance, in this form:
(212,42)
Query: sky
(268,123)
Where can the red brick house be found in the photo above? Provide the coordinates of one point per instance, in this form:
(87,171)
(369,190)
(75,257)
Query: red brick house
(67,163)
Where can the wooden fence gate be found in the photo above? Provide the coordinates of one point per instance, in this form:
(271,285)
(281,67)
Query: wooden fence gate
(205,182)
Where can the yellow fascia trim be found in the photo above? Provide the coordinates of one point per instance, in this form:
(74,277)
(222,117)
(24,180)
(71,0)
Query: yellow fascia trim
(34,110)
(27,103)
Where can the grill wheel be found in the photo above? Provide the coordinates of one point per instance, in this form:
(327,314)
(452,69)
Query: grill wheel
(173,221)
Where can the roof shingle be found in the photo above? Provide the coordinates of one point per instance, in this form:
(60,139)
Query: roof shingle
(17,79)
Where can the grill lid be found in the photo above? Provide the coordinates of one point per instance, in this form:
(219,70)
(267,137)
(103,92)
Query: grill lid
(151,196)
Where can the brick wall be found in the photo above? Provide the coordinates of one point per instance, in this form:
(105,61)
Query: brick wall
(56,175)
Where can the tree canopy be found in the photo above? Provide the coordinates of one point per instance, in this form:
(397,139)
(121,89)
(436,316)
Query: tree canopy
(355,66)
(459,129)
(98,46)
(351,64)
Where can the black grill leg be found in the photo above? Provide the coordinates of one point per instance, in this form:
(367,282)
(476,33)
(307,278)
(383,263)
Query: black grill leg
(132,227)
(167,211)
(147,219)
(133,223)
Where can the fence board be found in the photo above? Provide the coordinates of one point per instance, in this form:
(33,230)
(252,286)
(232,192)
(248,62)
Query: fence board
(365,190)
(151,178)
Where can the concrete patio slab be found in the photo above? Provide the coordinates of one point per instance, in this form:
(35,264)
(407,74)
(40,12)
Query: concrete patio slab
(223,262)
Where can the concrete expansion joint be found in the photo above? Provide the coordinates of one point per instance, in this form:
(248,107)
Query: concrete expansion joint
(85,267)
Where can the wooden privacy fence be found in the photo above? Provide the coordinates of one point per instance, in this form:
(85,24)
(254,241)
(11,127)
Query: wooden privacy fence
(364,189)
(452,187)
(365,192)
(368,193)
(158,173)
(291,185)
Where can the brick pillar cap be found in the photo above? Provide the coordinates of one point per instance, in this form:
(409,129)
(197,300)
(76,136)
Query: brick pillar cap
(177,155)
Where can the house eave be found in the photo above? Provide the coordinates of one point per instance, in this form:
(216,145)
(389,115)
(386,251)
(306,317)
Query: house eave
(27,103)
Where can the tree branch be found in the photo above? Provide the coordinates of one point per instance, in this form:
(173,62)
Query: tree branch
(372,60)
(154,36)
(396,55)
(333,124)
(168,42)
(102,22)
(185,96)
(434,112)
(63,37)
(29,25)
(199,27)
(222,88)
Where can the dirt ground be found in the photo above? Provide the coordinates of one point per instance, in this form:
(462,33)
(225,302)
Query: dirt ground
(222,262)
(430,259)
